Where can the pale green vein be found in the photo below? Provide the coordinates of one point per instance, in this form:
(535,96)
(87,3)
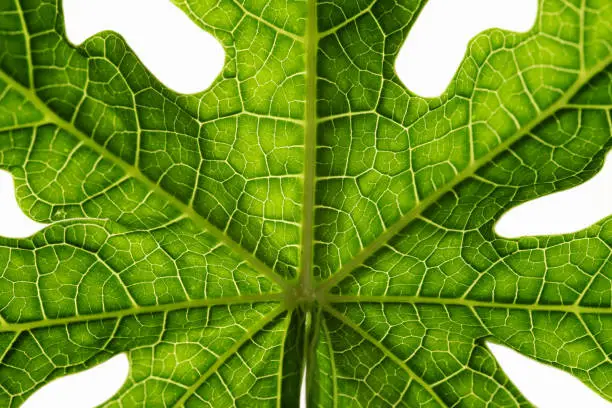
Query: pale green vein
(9,346)
(330,118)
(410,216)
(25,126)
(275,118)
(267,23)
(588,106)
(26,36)
(137,174)
(347,21)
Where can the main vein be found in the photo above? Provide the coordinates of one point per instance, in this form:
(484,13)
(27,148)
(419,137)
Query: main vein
(133,311)
(310,140)
(415,300)
(469,171)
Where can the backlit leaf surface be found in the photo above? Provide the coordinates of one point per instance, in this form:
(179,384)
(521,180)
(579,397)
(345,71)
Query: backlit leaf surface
(305,212)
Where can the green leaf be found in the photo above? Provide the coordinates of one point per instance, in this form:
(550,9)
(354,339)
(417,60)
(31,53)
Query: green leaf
(305,212)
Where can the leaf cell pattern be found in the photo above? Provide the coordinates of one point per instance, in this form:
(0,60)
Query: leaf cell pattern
(306,212)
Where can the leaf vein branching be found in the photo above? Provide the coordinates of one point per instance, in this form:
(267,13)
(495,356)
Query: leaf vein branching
(347,21)
(387,352)
(138,175)
(305,218)
(410,216)
(267,23)
(249,335)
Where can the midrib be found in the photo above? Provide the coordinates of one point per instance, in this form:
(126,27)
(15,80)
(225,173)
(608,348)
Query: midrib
(410,216)
(310,140)
(469,303)
(159,308)
(53,118)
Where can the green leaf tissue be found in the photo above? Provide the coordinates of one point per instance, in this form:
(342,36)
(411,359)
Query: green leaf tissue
(307,217)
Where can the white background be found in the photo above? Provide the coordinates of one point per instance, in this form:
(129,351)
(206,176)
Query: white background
(187,59)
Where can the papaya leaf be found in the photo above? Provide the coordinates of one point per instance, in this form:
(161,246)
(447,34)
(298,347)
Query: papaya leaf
(307,212)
